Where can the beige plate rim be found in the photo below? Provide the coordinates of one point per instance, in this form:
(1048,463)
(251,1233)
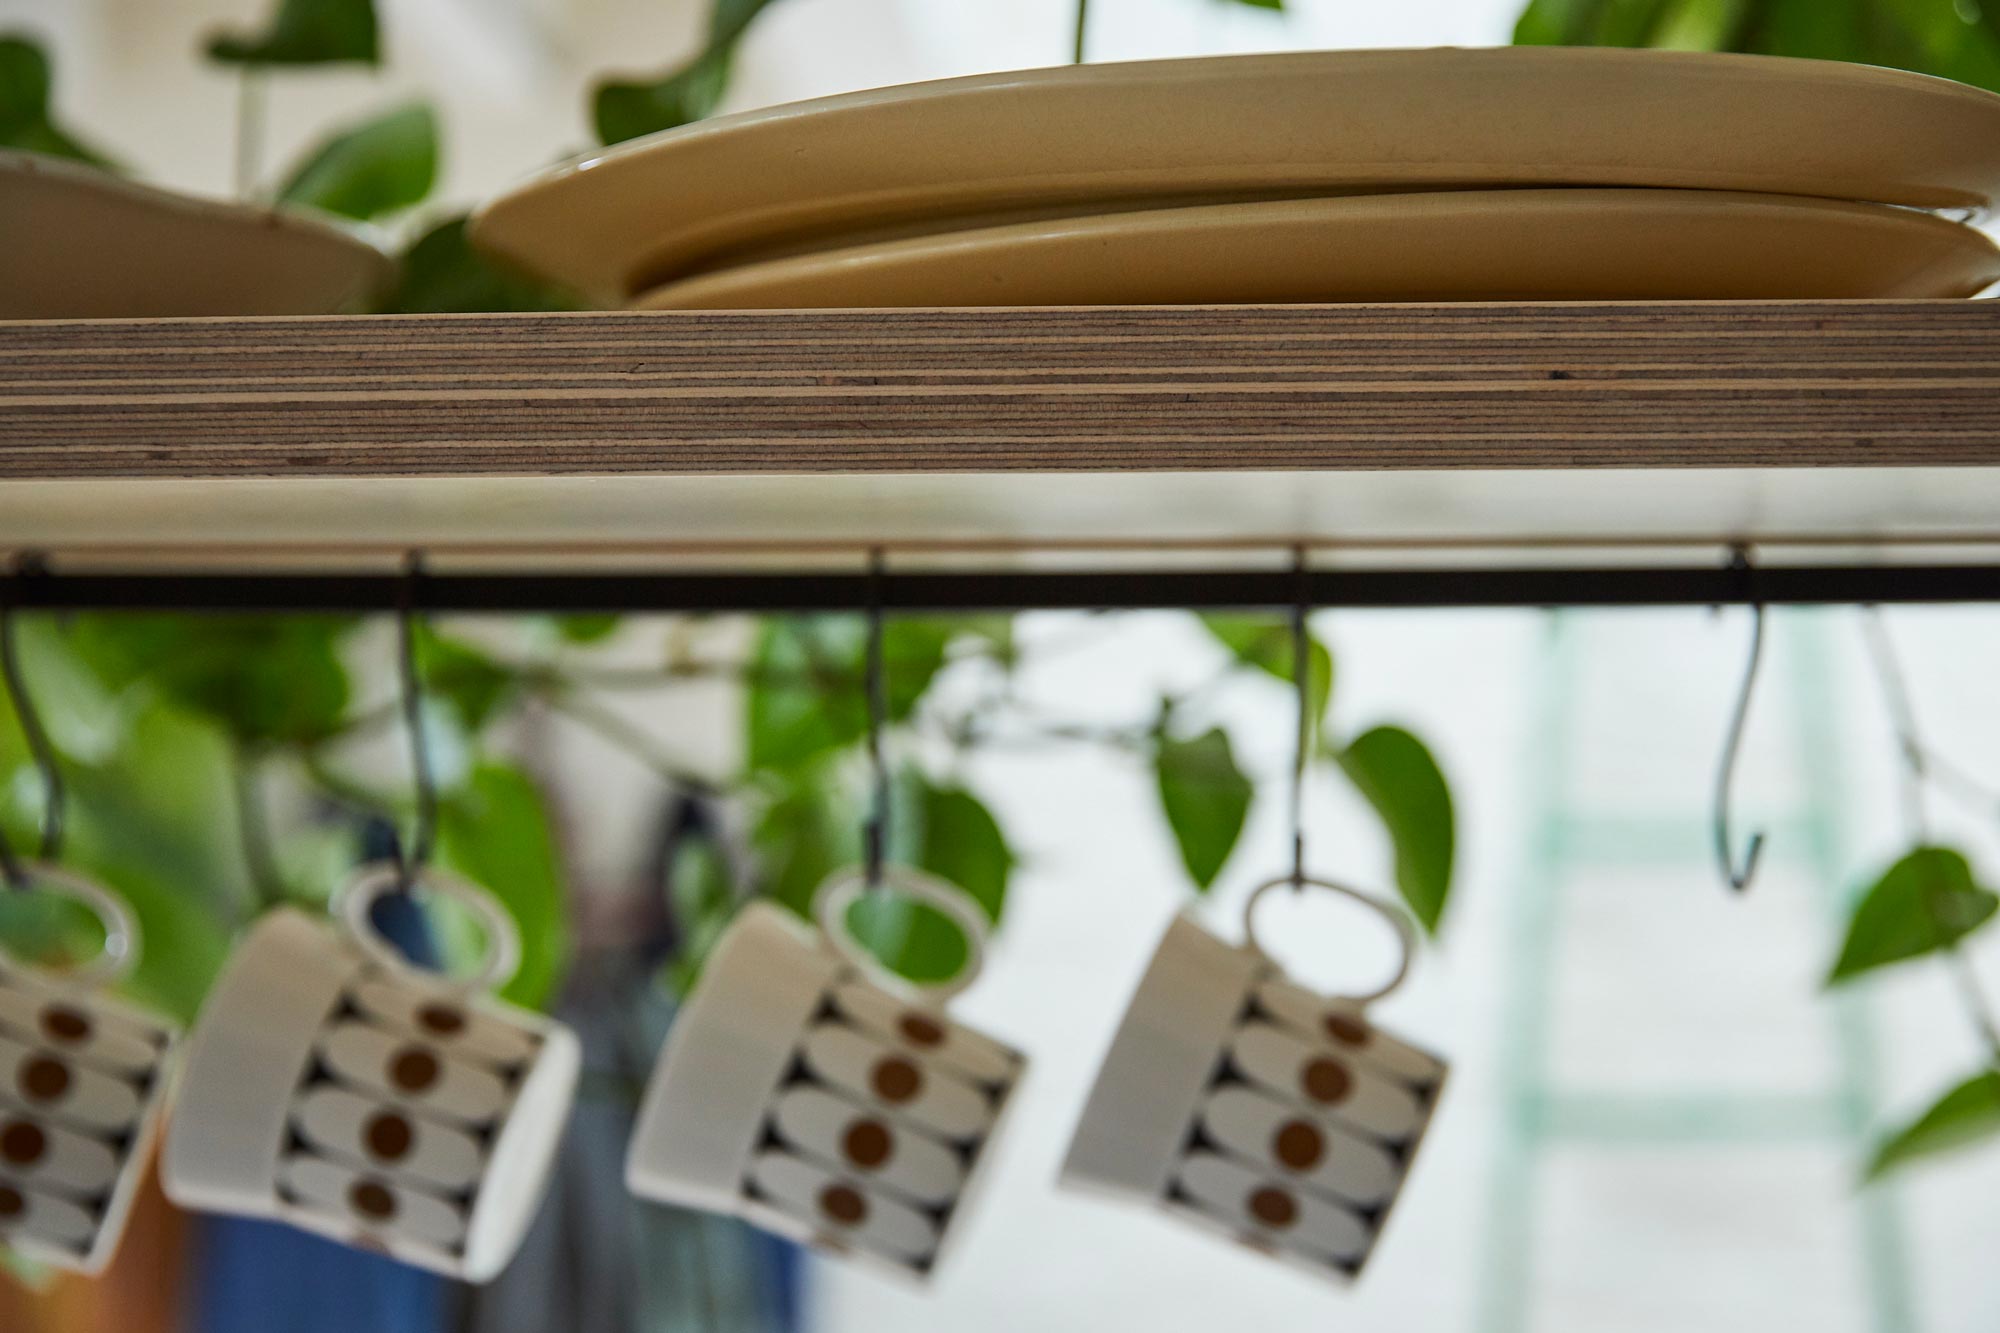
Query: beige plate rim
(1300,236)
(235,224)
(617,221)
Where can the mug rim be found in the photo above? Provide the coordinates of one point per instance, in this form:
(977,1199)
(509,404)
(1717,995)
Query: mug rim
(838,893)
(120,954)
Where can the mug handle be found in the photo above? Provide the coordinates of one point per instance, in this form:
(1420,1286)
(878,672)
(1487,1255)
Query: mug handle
(354,905)
(1406,934)
(846,887)
(120,954)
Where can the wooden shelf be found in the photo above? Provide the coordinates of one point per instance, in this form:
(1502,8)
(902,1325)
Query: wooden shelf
(1849,425)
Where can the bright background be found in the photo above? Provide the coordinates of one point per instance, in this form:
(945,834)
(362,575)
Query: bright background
(1657,1116)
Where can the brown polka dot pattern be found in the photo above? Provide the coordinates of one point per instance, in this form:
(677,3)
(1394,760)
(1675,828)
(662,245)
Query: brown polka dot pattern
(867,1143)
(372,1199)
(389,1137)
(441,1020)
(12,1203)
(1346,1029)
(921,1030)
(895,1079)
(22,1143)
(414,1069)
(1273,1207)
(843,1204)
(1326,1081)
(43,1079)
(1299,1145)
(60,1023)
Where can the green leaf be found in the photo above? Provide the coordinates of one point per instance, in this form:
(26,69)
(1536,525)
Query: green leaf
(149,814)
(1947,38)
(956,839)
(26,123)
(496,833)
(381,166)
(1206,798)
(473,682)
(263,678)
(1967,1114)
(306,32)
(963,844)
(443,275)
(803,834)
(1265,643)
(628,109)
(806,696)
(587,628)
(1396,774)
(1925,902)
(1262,4)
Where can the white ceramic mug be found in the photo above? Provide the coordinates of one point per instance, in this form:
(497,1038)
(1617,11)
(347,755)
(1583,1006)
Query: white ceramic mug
(809,1091)
(1233,1097)
(82,1079)
(334,1085)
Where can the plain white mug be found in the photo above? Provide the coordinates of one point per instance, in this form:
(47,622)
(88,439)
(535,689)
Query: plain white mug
(333,1085)
(805,1089)
(1239,1100)
(82,1080)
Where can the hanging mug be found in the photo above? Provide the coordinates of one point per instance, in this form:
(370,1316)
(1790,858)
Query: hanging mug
(82,1078)
(334,1085)
(805,1088)
(1233,1097)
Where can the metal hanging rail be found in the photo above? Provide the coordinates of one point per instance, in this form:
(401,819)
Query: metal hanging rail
(1001,590)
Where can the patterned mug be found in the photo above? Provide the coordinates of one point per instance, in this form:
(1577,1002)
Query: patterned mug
(1239,1100)
(809,1091)
(332,1084)
(82,1079)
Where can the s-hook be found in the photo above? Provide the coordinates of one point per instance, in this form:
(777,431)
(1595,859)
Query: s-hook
(875,833)
(40,747)
(1738,878)
(1302,685)
(417,853)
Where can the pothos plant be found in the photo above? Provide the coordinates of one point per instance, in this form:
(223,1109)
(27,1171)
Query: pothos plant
(1928,902)
(166,722)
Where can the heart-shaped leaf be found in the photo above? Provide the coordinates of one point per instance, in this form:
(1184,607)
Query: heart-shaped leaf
(1925,902)
(495,831)
(443,275)
(1206,798)
(306,32)
(953,836)
(381,166)
(1396,774)
(1967,1114)
(807,679)
(629,109)
(1265,643)
(26,122)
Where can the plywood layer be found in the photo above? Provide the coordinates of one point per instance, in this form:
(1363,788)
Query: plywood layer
(1241,389)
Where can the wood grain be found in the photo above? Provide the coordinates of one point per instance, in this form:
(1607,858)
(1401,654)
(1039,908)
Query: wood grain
(1242,389)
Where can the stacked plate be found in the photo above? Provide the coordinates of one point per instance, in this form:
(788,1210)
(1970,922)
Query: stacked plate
(77,243)
(1508,174)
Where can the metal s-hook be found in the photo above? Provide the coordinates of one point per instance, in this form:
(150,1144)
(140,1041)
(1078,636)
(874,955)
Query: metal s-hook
(40,747)
(875,833)
(1738,877)
(1302,685)
(417,853)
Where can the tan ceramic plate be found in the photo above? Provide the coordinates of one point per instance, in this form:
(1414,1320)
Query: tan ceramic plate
(1310,123)
(78,244)
(1522,245)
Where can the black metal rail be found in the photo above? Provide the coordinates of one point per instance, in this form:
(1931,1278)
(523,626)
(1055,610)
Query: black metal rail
(999,590)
